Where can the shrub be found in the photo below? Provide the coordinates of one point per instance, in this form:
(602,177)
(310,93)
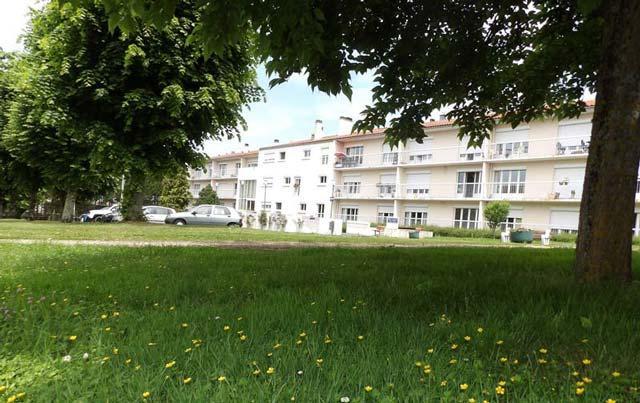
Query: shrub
(564,237)
(461,232)
(208,196)
(495,213)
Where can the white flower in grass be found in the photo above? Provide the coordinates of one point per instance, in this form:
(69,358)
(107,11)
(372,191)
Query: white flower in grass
(66,358)
(85,356)
(299,372)
(345,399)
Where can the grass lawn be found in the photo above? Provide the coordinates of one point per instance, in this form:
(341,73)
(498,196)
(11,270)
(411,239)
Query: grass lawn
(317,325)
(20,229)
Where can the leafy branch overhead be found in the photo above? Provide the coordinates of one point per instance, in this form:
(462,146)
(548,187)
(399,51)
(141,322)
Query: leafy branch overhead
(515,59)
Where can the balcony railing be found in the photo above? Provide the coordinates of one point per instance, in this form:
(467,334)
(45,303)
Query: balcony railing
(224,175)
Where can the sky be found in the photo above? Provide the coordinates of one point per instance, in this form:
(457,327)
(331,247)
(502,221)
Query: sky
(290,110)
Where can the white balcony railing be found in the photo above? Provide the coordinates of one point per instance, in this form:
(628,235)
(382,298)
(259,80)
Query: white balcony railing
(224,175)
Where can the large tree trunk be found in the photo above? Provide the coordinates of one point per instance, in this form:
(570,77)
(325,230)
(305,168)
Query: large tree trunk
(134,197)
(606,212)
(69,209)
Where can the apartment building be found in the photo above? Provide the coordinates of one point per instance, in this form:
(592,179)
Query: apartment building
(538,167)
(221,172)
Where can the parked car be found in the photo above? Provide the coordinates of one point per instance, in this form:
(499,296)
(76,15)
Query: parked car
(105,214)
(157,214)
(207,214)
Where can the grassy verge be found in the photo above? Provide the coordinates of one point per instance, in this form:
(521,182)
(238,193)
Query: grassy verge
(15,229)
(190,324)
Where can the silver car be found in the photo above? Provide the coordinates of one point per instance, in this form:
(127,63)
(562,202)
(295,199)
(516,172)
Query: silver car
(207,214)
(157,214)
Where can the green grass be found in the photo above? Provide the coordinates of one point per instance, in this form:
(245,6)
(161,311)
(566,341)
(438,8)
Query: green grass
(403,302)
(43,230)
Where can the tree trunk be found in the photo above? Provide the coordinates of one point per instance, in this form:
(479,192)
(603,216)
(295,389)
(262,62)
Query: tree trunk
(1,206)
(606,212)
(69,209)
(134,197)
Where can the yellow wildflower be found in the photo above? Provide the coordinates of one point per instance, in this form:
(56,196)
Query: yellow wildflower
(170,364)
(327,340)
(542,361)
(586,379)
(454,346)
(146,395)
(480,330)
(615,374)
(104,316)
(12,399)
(185,325)
(418,364)
(467,338)
(127,361)
(226,328)
(271,371)
(2,388)
(579,383)
(500,342)
(243,337)
(610,401)
(303,334)
(471,400)
(443,383)
(186,381)
(430,351)
(73,338)
(222,378)
(502,383)
(256,371)
(500,390)
(360,338)
(543,351)
(368,388)
(586,361)
(579,391)
(187,350)
(115,350)
(464,386)
(277,346)
(503,359)
(453,361)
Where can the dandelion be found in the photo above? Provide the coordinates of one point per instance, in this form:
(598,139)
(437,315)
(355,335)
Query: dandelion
(186,381)
(104,316)
(610,401)
(277,346)
(579,383)
(170,364)
(454,346)
(418,364)
(443,383)
(243,337)
(430,351)
(586,361)
(66,358)
(107,329)
(543,351)
(542,361)
(368,388)
(579,391)
(500,342)
(467,338)
(503,359)
(115,351)
(256,371)
(426,370)
(471,400)
(127,361)
(222,378)
(303,334)
(73,338)
(226,328)
(480,330)
(586,379)
(185,325)
(500,390)
(319,361)
(615,374)
(146,395)
(464,387)
(271,371)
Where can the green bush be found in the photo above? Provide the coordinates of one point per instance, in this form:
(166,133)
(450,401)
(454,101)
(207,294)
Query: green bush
(564,237)
(461,232)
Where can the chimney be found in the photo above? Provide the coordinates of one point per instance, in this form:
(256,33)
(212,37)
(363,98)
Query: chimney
(276,141)
(246,146)
(318,129)
(345,124)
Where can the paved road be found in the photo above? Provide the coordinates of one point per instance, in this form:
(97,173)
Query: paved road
(271,245)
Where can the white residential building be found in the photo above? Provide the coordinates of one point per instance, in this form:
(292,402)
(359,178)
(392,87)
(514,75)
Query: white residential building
(538,167)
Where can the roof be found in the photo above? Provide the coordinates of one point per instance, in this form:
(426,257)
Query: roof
(233,155)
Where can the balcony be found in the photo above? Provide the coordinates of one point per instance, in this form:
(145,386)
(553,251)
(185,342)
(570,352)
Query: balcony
(224,175)
(357,190)
(551,147)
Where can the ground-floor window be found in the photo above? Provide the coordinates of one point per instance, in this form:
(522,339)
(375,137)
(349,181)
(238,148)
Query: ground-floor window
(278,206)
(303,206)
(511,223)
(384,214)
(320,210)
(349,213)
(413,218)
(466,218)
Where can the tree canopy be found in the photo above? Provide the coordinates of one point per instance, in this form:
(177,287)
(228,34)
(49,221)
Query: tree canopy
(208,196)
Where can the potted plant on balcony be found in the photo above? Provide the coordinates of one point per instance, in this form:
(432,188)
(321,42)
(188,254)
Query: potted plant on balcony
(521,235)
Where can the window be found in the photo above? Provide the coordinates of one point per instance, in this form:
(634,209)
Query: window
(466,218)
(287,180)
(278,206)
(283,155)
(354,156)
(219,210)
(469,153)
(325,159)
(564,221)
(509,181)
(387,185)
(251,205)
(389,157)
(238,165)
(266,206)
(195,190)
(573,138)
(419,158)
(303,206)
(468,184)
(269,158)
(413,218)
(349,213)
(511,142)
(513,221)
(323,179)
(384,212)
(320,210)
(568,182)
(418,185)
(307,153)
(203,210)
(352,187)
(297,181)
(223,169)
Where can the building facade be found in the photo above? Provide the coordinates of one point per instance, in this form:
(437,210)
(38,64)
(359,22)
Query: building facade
(538,167)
